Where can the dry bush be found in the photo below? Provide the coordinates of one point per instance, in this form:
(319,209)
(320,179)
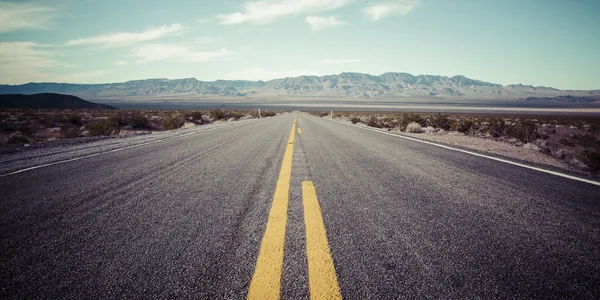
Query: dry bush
(414,127)
(171,122)
(355,120)
(104,127)
(525,131)
(268,113)
(440,121)
(374,122)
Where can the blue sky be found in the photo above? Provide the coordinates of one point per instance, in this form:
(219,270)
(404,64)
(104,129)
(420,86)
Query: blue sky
(540,42)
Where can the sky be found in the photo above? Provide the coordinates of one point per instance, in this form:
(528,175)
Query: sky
(534,42)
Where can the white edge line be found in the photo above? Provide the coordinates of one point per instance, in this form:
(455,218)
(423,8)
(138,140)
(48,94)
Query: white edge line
(114,150)
(476,154)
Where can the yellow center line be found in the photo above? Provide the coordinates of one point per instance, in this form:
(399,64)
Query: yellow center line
(299,130)
(322,278)
(266,280)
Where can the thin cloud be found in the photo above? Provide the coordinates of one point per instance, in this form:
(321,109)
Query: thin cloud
(78,77)
(18,16)
(264,12)
(320,23)
(24,62)
(380,11)
(128,38)
(158,52)
(340,61)
(208,39)
(121,63)
(264,74)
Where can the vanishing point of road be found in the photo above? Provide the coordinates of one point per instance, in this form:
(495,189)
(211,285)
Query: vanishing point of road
(296,207)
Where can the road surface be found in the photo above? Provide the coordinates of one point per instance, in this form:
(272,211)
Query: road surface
(289,209)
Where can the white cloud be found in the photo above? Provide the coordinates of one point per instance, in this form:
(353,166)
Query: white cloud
(340,61)
(78,77)
(128,38)
(263,12)
(379,11)
(16,16)
(24,62)
(264,74)
(156,52)
(121,63)
(203,20)
(318,23)
(208,39)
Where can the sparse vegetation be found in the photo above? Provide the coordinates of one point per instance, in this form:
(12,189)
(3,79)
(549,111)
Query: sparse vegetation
(414,127)
(574,140)
(171,122)
(104,127)
(38,125)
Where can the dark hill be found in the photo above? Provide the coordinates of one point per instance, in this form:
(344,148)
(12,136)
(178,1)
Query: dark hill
(47,100)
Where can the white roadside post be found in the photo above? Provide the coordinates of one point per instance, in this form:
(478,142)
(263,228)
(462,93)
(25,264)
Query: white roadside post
(259,115)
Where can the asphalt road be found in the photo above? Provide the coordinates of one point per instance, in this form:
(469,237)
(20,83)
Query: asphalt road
(185,218)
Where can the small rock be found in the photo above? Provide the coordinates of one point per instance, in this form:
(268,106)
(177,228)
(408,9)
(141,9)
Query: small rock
(560,154)
(26,145)
(512,140)
(578,164)
(532,147)
(55,129)
(518,144)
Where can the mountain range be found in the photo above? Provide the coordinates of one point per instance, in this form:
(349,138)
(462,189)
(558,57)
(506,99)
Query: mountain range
(47,100)
(344,85)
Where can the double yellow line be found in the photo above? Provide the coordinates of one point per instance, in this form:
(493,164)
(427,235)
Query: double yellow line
(266,281)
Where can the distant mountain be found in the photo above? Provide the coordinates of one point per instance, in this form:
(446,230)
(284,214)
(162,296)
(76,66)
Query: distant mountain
(47,100)
(344,85)
(567,99)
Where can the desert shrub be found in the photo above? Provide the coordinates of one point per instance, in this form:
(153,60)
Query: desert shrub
(355,120)
(374,122)
(70,133)
(7,127)
(104,127)
(268,113)
(25,127)
(253,114)
(414,127)
(195,115)
(236,115)
(218,114)
(496,127)
(17,138)
(388,123)
(171,122)
(133,119)
(591,157)
(525,131)
(463,125)
(586,140)
(410,118)
(324,114)
(440,121)
(75,119)
(138,121)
